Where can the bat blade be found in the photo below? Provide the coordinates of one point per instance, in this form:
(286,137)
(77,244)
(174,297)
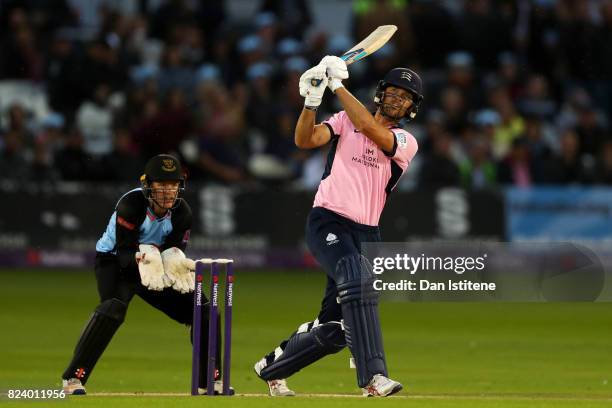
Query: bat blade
(369,45)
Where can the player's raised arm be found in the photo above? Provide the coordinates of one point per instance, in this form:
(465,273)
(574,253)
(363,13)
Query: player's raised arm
(361,118)
(364,121)
(307,134)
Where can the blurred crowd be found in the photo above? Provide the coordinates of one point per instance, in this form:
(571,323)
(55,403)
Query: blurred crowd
(516,92)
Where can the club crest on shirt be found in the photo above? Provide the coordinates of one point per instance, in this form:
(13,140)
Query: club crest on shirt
(401,138)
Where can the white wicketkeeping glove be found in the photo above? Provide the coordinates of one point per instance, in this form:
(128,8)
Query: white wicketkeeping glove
(313,93)
(336,71)
(151,268)
(180,269)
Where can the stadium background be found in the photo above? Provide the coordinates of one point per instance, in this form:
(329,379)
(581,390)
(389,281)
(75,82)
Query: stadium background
(514,145)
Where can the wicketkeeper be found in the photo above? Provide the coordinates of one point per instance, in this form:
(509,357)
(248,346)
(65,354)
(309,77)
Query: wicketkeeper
(368,155)
(141,253)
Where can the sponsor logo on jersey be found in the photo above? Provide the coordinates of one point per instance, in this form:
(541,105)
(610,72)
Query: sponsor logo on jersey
(402,140)
(124,223)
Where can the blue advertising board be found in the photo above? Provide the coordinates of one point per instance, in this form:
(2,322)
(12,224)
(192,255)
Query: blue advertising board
(559,214)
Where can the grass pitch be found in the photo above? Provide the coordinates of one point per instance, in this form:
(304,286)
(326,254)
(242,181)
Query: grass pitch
(445,354)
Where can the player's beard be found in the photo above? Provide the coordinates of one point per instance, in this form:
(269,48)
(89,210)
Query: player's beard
(391,111)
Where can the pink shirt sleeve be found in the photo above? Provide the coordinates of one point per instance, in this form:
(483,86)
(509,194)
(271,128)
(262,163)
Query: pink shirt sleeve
(336,121)
(405,147)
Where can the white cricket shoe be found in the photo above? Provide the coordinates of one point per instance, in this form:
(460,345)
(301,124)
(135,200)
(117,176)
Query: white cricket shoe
(218,387)
(277,388)
(73,386)
(381,386)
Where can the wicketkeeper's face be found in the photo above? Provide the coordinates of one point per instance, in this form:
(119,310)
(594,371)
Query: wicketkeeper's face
(165,193)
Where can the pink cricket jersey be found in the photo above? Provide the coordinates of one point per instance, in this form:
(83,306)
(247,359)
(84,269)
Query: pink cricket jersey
(359,175)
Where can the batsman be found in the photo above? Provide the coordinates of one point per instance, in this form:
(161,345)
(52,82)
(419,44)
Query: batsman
(141,252)
(368,154)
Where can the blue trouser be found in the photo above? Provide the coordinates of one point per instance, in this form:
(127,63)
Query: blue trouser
(335,242)
(349,235)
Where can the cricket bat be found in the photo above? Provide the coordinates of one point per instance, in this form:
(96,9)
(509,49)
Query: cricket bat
(367,46)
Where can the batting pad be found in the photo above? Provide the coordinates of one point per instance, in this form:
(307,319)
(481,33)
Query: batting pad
(359,302)
(304,348)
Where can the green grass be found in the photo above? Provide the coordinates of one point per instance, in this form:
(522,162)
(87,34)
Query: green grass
(446,354)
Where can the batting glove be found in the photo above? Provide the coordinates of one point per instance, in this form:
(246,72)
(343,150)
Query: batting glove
(336,71)
(312,86)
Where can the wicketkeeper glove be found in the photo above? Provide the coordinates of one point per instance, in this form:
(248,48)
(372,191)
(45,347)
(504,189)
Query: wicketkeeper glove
(151,268)
(180,269)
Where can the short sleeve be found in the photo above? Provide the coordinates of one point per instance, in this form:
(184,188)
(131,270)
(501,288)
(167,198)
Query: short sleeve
(405,147)
(335,123)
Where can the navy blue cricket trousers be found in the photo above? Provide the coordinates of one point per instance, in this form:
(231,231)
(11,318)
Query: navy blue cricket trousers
(330,237)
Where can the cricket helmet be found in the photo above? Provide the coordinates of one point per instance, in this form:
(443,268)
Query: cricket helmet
(162,167)
(402,78)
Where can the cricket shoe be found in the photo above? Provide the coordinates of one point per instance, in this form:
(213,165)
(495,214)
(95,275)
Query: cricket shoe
(277,388)
(218,387)
(73,386)
(381,386)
